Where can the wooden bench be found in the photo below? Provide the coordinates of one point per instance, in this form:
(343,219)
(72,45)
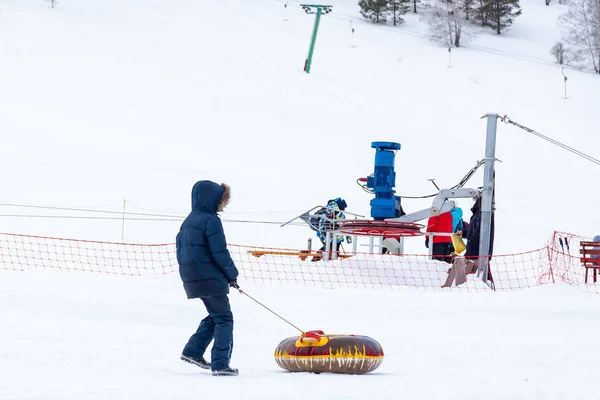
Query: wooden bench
(590,257)
(302,254)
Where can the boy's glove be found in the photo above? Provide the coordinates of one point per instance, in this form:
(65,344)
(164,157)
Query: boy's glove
(234,284)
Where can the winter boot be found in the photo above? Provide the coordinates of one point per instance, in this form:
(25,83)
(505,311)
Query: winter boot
(225,372)
(199,361)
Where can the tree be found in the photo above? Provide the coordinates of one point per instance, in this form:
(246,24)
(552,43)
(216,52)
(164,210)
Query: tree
(501,13)
(375,10)
(52,3)
(559,52)
(482,11)
(447,22)
(397,8)
(468,7)
(582,21)
(415,5)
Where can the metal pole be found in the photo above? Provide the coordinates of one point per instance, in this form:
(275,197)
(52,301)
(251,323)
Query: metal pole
(334,245)
(327,246)
(123,221)
(430,249)
(563,73)
(487,195)
(313,40)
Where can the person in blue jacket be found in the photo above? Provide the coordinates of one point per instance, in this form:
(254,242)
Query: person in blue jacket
(457,221)
(473,239)
(332,212)
(207,272)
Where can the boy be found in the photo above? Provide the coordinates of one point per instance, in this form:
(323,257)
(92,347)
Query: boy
(207,272)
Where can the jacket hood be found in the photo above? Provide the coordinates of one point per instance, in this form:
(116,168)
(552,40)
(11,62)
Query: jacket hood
(457,212)
(207,195)
(477,206)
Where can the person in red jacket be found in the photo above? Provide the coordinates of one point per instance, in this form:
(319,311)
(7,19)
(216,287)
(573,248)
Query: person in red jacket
(442,245)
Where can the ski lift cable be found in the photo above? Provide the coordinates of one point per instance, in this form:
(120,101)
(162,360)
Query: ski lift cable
(126,218)
(581,154)
(121,215)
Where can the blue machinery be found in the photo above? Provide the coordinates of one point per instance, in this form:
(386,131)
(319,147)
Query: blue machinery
(382,182)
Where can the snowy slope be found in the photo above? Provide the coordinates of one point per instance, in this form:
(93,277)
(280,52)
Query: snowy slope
(76,336)
(108,100)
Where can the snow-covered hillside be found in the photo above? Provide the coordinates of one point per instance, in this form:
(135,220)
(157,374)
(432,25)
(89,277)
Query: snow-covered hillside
(103,101)
(110,100)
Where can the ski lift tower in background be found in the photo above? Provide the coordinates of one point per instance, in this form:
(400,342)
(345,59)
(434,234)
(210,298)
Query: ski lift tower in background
(319,10)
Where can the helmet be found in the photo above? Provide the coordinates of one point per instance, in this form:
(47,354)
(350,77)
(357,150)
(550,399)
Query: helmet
(341,203)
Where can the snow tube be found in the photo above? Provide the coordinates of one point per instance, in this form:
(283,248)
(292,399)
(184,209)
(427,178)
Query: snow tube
(317,352)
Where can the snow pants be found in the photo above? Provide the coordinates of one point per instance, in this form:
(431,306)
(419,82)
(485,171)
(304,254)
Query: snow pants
(441,252)
(218,325)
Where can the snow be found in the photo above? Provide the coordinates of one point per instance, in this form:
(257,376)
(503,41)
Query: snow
(104,101)
(110,101)
(79,336)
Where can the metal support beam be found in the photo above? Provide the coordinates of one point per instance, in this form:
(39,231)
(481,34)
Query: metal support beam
(424,214)
(327,246)
(445,194)
(487,197)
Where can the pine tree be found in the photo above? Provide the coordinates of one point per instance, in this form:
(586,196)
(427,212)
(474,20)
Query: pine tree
(375,10)
(415,5)
(397,8)
(502,13)
(483,11)
(468,7)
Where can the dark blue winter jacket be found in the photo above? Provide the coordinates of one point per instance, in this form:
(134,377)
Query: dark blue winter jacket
(474,232)
(205,265)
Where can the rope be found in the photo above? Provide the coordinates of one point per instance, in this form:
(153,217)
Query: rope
(252,298)
(581,154)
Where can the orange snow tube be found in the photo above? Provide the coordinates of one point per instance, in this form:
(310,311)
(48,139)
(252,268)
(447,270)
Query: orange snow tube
(340,354)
